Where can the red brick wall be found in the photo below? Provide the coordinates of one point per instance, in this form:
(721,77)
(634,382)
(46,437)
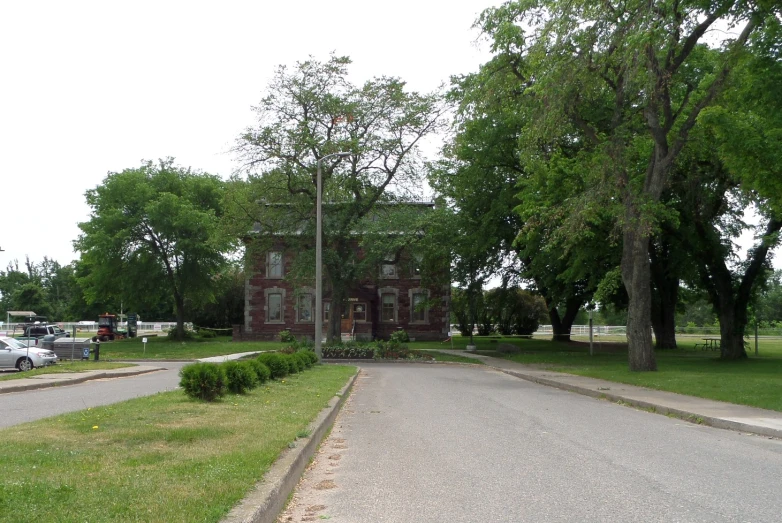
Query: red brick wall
(256,328)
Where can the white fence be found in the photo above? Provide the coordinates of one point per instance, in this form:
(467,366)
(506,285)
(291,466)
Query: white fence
(159,326)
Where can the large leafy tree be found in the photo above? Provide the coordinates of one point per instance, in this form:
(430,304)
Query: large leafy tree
(309,112)
(625,77)
(153,232)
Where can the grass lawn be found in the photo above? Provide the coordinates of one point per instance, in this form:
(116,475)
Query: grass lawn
(756,381)
(64,367)
(159,458)
(161,348)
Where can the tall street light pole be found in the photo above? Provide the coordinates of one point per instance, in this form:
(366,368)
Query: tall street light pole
(319,259)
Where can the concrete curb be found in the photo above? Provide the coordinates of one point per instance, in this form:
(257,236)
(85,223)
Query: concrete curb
(685,415)
(74,381)
(268,498)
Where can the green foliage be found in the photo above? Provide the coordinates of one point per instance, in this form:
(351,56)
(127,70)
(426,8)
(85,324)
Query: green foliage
(207,333)
(399,336)
(241,376)
(294,364)
(286,336)
(204,381)
(262,372)
(277,364)
(152,232)
(310,355)
(304,361)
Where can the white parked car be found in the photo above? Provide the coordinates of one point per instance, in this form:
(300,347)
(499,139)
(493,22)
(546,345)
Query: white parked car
(14,353)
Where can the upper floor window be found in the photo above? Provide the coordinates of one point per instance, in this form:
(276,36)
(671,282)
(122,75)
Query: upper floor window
(274,264)
(388,270)
(416,262)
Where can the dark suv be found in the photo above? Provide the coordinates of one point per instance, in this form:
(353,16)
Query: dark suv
(39,331)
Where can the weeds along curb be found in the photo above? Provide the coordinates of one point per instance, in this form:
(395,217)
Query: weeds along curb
(74,380)
(269,496)
(692,417)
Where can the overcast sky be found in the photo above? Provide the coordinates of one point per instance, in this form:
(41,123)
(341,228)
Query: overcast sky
(93,87)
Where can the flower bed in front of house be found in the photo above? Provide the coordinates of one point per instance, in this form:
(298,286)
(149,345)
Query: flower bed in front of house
(379,350)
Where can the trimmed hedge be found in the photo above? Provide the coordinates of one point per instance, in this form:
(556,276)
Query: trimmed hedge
(262,372)
(241,377)
(277,364)
(304,361)
(204,381)
(294,364)
(311,355)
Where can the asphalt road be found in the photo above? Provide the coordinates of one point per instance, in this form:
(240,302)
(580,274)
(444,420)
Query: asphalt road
(436,443)
(20,407)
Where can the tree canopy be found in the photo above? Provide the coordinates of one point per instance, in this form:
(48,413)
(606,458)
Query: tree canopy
(153,232)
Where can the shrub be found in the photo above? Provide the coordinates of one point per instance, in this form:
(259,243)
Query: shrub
(310,355)
(294,366)
(286,336)
(262,372)
(276,363)
(241,378)
(206,333)
(171,334)
(399,336)
(290,349)
(390,350)
(304,361)
(204,381)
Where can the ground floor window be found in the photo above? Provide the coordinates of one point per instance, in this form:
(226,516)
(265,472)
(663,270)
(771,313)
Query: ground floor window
(274,307)
(359,312)
(326,310)
(419,312)
(304,308)
(388,308)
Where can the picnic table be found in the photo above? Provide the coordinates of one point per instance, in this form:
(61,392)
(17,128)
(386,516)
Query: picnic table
(709,344)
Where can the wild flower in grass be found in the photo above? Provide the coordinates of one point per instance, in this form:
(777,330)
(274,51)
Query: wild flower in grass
(94,427)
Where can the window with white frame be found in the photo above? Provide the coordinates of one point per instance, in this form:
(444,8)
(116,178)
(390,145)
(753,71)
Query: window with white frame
(274,264)
(388,308)
(388,270)
(274,307)
(304,308)
(359,312)
(326,310)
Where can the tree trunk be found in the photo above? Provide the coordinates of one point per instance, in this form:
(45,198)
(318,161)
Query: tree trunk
(732,333)
(180,316)
(636,278)
(334,331)
(665,295)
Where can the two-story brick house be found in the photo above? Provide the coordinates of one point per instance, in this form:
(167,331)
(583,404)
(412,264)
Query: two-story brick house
(393,296)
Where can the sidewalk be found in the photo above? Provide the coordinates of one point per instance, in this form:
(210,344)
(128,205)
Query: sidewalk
(698,410)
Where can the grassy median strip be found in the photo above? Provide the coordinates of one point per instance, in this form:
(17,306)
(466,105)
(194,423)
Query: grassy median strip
(159,458)
(65,367)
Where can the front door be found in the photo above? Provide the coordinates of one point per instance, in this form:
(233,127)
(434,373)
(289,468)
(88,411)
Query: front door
(352,313)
